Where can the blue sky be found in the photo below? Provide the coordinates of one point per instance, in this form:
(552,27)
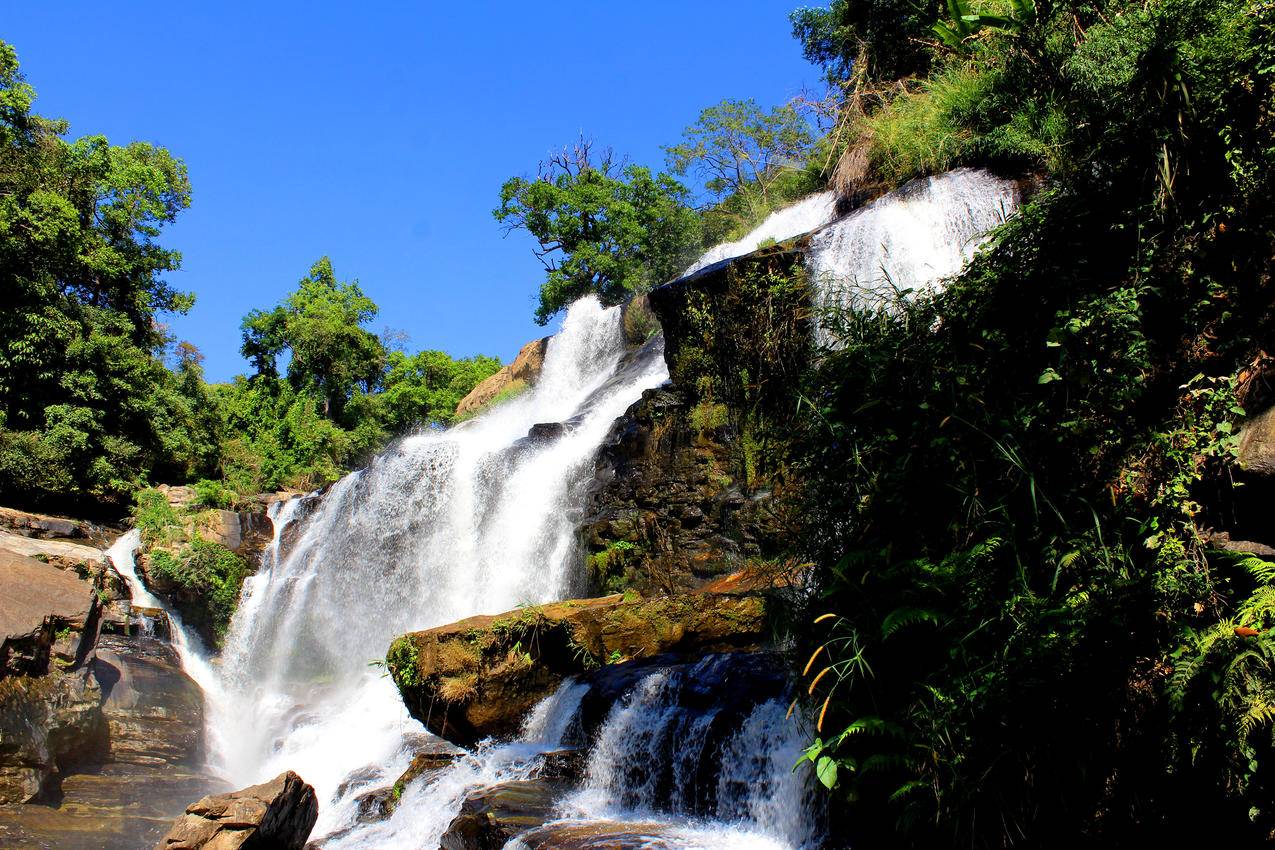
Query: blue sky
(379,133)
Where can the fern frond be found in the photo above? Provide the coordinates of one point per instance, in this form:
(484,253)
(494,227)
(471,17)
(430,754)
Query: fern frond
(901,618)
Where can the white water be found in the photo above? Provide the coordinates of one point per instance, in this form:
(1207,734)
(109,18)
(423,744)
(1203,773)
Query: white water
(909,239)
(190,650)
(442,526)
(802,217)
(759,799)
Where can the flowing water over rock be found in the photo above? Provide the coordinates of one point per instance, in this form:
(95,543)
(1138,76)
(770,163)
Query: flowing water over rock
(909,239)
(802,217)
(477,519)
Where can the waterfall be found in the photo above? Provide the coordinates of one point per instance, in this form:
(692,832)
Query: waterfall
(443,525)
(661,755)
(801,217)
(908,239)
(190,650)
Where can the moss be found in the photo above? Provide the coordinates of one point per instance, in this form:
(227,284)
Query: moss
(403,662)
(458,688)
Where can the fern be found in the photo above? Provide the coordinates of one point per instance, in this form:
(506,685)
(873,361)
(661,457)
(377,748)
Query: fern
(901,618)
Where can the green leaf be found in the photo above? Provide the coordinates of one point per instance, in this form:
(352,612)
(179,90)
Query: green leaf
(1048,376)
(826,771)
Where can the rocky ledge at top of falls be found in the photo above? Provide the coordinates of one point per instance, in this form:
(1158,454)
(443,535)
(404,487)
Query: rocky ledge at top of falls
(479,677)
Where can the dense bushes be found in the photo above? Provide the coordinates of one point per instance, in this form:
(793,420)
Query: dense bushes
(1028,639)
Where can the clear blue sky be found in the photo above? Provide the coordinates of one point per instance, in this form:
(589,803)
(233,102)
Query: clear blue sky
(379,133)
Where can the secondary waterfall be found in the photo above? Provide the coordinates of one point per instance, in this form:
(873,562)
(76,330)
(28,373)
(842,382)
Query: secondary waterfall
(908,239)
(444,525)
(801,217)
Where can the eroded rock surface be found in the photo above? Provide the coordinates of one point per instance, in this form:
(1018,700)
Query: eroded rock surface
(523,372)
(275,815)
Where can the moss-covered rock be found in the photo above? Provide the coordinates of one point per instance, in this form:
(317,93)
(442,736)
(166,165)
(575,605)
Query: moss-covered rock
(479,677)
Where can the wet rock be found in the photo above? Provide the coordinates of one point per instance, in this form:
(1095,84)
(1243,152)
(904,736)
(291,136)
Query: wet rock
(546,432)
(492,815)
(524,371)
(154,711)
(599,835)
(275,815)
(479,677)
(48,724)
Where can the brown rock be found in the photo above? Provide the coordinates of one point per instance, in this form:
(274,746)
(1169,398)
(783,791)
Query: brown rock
(492,815)
(276,815)
(37,603)
(525,370)
(1257,444)
(480,676)
(599,835)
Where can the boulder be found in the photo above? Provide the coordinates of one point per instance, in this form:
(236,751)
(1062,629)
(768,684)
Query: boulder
(43,526)
(601,835)
(60,553)
(493,814)
(524,371)
(479,677)
(275,815)
(48,723)
(44,612)
(1257,444)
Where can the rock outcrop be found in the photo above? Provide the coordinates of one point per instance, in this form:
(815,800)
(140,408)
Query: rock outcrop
(491,815)
(521,373)
(275,815)
(479,677)
(692,481)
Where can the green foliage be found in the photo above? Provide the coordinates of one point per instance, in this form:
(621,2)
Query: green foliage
(602,228)
(740,150)
(320,325)
(154,517)
(1011,480)
(425,388)
(403,661)
(214,494)
(87,408)
(203,579)
(874,40)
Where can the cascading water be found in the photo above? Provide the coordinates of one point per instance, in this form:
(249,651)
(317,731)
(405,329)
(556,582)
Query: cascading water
(909,239)
(191,652)
(444,525)
(723,779)
(801,217)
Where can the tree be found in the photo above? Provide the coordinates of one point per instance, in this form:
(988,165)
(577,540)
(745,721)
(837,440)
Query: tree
(603,227)
(872,40)
(87,408)
(321,326)
(738,149)
(426,387)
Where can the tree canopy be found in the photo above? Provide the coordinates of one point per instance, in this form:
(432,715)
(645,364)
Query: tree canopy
(602,227)
(87,407)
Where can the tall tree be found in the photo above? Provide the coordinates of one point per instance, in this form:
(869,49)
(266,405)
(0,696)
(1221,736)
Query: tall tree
(867,40)
(737,148)
(321,325)
(603,227)
(86,405)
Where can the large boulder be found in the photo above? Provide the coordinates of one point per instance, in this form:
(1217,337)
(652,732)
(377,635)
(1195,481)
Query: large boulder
(479,677)
(44,612)
(1257,444)
(275,815)
(523,372)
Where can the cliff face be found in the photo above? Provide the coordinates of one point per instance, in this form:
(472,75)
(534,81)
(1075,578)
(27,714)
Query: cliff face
(692,482)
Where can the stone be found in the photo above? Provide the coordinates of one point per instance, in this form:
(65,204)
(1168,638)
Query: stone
(60,553)
(479,677)
(1257,444)
(37,603)
(154,711)
(43,526)
(600,835)
(525,370)
(490,816)
(47,723)
(275,815)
